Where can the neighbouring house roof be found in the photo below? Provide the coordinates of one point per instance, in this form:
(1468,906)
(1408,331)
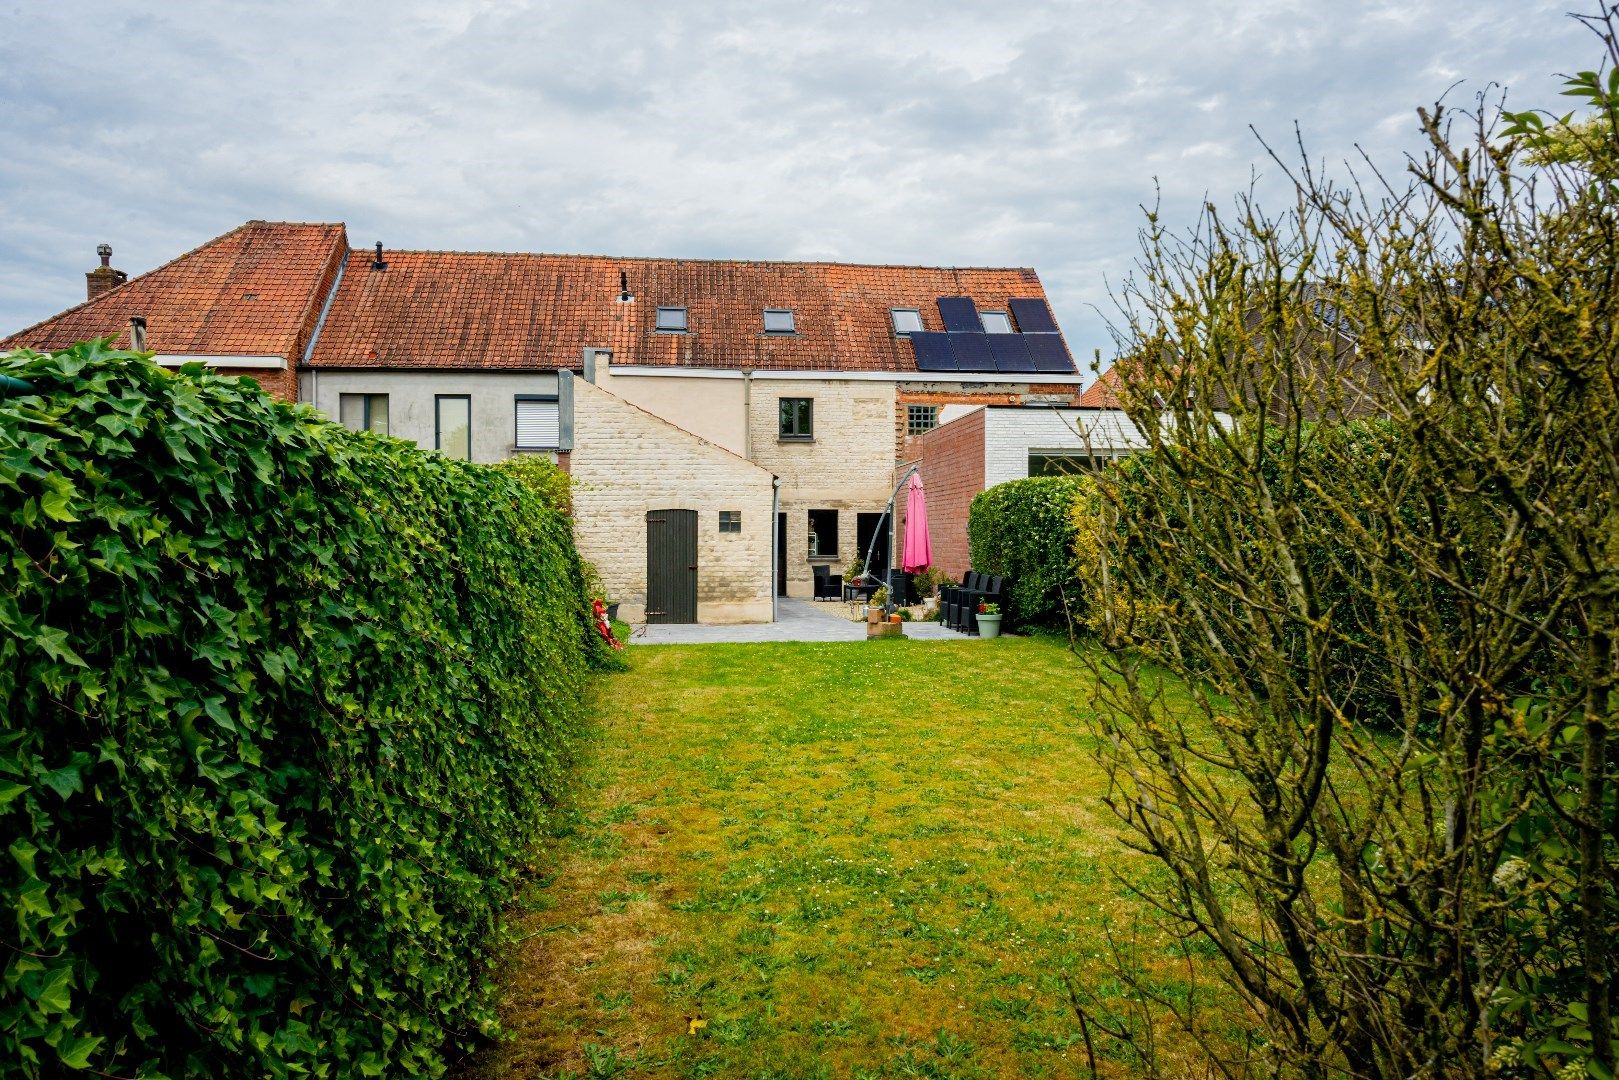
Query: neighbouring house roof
(256,290)
(1104,392)
(489,310)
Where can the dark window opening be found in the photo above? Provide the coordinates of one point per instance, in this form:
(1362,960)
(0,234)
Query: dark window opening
(823,534)
(730,521)
(797,418)
(1064,464)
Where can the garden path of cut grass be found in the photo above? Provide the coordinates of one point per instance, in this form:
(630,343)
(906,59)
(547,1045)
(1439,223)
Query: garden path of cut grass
(862,859)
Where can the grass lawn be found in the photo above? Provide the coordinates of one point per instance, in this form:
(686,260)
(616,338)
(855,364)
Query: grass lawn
(861,859)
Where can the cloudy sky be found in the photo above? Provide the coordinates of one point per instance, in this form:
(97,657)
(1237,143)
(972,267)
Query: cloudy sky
(944,132)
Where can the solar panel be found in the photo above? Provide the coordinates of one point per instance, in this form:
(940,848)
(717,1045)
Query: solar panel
(1049,353)
(971,352)
(960,315)
(933,352)
(1010,353)
(1033,316)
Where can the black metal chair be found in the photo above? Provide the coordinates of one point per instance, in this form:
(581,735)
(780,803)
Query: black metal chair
(960,600)
(828,586)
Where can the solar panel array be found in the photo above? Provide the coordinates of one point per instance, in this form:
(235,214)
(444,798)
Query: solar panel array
(964,346)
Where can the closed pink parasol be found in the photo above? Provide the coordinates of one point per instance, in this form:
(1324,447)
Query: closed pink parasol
(918,548)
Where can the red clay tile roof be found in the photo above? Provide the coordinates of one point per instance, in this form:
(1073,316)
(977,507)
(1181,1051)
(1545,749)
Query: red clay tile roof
(254,290)
(453,309)
(1103,393)
(489,310)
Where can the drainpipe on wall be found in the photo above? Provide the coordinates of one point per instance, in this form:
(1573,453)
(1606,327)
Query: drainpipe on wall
(747,420)
(775,543)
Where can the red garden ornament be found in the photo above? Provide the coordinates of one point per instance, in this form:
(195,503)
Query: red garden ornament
(603,626)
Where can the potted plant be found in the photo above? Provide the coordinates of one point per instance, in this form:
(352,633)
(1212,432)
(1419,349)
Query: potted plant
(989,620)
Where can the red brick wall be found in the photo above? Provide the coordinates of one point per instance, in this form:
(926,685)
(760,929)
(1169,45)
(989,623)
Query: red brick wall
(281,385)
(963,396)
(952,465)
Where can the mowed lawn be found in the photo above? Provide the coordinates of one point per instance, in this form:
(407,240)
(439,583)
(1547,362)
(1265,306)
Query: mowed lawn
(861,859)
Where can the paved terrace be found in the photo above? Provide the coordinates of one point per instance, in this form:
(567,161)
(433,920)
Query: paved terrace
(796,620)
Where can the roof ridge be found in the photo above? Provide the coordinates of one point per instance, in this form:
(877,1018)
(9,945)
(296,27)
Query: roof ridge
(164,266)
(679,259)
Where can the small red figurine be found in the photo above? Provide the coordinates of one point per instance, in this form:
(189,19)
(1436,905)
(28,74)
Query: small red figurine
(603,627)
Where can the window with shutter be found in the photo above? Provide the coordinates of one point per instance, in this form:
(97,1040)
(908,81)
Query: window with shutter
(538,423)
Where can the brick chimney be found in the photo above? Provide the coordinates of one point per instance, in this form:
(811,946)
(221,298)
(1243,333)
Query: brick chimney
(103,277)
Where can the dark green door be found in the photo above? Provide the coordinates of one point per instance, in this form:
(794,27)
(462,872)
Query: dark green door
(671,566)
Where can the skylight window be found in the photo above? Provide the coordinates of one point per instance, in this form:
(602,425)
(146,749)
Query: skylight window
(672,320)
(907,320)
(996,322)
(779,321)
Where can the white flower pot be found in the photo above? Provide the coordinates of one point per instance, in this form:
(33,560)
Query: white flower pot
(989,626)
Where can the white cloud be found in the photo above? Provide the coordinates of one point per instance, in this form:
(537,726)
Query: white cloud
(927,132)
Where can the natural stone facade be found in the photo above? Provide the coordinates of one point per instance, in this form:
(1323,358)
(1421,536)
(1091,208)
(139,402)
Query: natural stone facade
(625,463)
(847,466)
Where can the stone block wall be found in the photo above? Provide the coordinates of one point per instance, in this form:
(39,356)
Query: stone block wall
(848,466)
(625,463)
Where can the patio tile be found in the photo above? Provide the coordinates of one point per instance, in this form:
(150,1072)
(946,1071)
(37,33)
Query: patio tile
(796,620)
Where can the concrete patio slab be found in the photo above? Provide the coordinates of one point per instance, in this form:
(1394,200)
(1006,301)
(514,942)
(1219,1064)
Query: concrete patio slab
(796,620)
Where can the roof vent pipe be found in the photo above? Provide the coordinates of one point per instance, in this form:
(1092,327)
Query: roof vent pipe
(105,251)
(624,287)
(137,333)
(378,263)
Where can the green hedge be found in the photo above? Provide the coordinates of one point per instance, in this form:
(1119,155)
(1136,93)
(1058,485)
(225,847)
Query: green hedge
(284,705)
(1024,530)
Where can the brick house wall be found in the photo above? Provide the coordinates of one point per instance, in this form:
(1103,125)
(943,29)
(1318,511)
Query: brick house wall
(942,394)
(951,458)
(626,462)
(1011,435)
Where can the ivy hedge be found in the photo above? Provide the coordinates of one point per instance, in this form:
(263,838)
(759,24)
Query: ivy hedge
(1024,530)
(284,706)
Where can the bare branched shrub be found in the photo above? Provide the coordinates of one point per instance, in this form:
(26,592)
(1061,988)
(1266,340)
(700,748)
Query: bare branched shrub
(1379,530)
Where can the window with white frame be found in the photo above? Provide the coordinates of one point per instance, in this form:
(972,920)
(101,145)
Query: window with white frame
(995,322)
(907,320)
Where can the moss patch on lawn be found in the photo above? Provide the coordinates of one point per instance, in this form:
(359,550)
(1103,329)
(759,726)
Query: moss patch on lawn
(852,859)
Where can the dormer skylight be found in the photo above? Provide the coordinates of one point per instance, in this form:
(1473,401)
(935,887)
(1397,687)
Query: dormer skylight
(672,320)
(779,321)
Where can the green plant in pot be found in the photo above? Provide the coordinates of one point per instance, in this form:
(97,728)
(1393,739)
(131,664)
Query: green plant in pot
(989,620)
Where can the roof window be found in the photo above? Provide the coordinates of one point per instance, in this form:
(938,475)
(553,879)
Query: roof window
(907,320)
(996,322)
(672,320)
(779,321)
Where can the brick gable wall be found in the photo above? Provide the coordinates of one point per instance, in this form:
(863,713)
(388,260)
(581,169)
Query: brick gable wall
(952,465)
